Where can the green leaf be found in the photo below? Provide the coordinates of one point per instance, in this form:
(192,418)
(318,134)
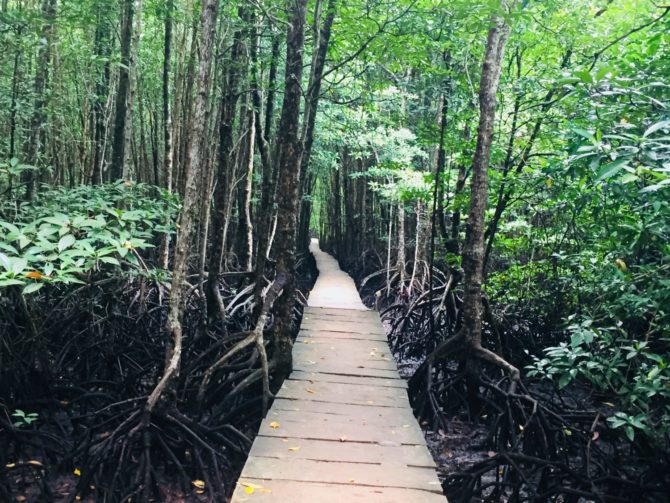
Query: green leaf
(32,287)
(584,76)
(65,242)
(5,262)
(10,282)
(564,380)
(655,127)
(583,132)
(611,169)
(18,265)
(630,432)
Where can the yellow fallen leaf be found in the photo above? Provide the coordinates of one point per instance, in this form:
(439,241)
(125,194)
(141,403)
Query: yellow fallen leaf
(609,404)
(264,490)
(311,391)
(200,484)
(10,465)
(274,425)
(370,402)
(294,449)
(77,472)
(249,484)
(34,462)
(199,491)
(351,481)
(249,490)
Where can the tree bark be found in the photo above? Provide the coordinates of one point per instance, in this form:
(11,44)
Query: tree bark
(122,93)
(290,148)
(188,218)
(38,120)
(473,250)
(225,166)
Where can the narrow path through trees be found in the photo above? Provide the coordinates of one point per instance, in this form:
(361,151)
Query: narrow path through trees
(341,425)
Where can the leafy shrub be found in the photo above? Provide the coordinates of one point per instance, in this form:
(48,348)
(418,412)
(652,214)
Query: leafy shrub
(67,234)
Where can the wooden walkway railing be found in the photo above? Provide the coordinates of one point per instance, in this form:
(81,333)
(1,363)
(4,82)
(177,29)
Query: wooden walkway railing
(341,429)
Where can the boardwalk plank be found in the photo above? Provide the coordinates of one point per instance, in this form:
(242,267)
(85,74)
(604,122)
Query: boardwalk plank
(348,379)
(335,472)
(341,428)
(317,492)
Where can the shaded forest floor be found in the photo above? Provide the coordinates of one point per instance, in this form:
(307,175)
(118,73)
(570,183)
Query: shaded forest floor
(94,388)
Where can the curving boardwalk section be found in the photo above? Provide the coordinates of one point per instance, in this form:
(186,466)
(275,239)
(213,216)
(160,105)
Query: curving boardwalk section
(341,429)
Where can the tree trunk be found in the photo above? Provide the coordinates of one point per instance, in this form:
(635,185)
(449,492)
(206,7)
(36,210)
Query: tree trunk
(123,90)
(225,166)
(290,148)
(188,218)
(166,179)
(103,49)
(401,258)
(473,250)
(38,120)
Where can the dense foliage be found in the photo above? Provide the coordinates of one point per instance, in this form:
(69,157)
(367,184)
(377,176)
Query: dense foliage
(115,116)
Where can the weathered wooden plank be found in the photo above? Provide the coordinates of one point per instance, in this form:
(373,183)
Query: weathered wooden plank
(361,369)
(359,327)
(349,379)
(317,492)
(335,472)
(290,449)
(342,431)
(385,417)
(317,388)
(343,393)
(314,333)
(316,352)
(346,409)
(325,312)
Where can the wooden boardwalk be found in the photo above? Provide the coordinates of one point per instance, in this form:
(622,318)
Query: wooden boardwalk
(341,428)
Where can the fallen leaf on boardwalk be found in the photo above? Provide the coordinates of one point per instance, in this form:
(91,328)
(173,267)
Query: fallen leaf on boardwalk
(274,425)
(249,484)
(351,481)
(249,490)
(199,484)
(311,391)
(370,402)
(77,472)
(294,449)
(264,490)
(343,438)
